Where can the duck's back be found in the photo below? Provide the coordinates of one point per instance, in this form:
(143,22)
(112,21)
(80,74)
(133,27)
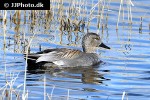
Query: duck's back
(85,59)
(65,57)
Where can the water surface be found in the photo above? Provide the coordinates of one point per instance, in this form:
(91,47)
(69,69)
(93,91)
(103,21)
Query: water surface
(125,66)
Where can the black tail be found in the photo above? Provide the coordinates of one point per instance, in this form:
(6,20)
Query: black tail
(32,64)
(31,61)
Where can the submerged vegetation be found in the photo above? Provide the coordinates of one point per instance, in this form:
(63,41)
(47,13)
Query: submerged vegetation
(64,17)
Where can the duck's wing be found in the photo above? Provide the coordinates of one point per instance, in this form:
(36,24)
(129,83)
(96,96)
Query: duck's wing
(55,55)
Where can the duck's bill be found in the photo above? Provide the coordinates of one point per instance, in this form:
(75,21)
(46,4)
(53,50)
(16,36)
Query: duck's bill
(104,46)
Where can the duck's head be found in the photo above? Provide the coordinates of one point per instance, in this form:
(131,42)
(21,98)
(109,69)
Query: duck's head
(92,40)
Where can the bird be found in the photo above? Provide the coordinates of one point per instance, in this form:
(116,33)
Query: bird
(65,57)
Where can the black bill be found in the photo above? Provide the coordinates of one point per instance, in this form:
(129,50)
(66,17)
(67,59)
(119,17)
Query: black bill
(104,46)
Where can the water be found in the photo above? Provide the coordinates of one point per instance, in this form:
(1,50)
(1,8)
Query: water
(125,67)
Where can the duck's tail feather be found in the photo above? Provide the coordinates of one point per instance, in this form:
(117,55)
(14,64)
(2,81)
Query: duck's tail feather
(31,56)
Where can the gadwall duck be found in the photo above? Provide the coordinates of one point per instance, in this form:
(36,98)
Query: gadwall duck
(64,57)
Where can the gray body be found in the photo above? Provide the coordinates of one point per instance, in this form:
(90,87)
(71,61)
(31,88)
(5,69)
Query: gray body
(64,57)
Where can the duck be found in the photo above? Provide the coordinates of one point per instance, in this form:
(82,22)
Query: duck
(65,57)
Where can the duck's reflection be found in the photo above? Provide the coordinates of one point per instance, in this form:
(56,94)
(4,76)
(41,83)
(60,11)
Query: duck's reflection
(89,74)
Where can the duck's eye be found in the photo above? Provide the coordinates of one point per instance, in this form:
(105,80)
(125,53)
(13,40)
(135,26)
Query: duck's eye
(96,38)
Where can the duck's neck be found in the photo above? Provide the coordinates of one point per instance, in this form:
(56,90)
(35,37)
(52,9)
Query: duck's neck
(89,49)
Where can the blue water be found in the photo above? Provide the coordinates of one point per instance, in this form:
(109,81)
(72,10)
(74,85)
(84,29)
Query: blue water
(125,66)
